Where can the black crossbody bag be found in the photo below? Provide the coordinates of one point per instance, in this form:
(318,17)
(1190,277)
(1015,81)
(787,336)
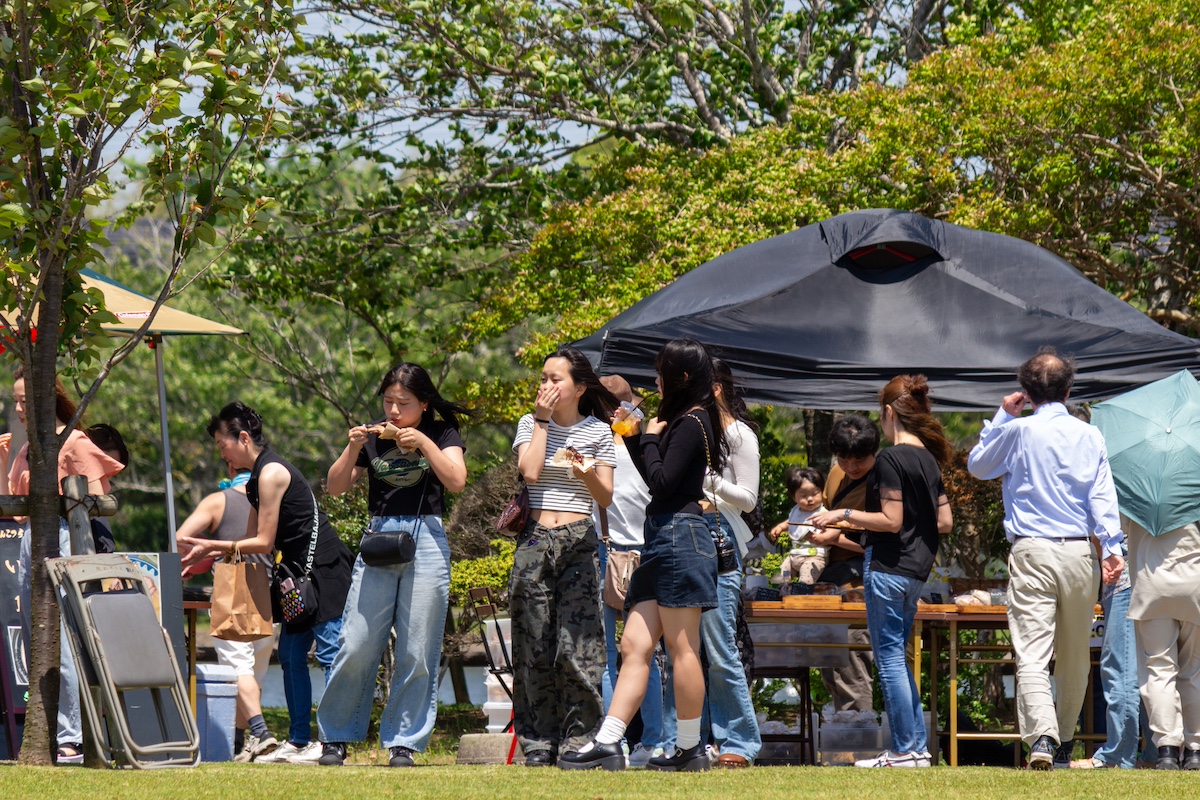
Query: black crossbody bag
(388,548)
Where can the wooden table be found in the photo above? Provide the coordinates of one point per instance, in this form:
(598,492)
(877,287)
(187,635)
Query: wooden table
(934,623)
(190,609)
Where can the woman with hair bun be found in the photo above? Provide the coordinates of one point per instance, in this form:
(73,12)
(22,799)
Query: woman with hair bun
(907,512)
(283,517)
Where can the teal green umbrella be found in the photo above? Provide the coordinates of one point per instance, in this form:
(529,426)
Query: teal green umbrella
(1153,440)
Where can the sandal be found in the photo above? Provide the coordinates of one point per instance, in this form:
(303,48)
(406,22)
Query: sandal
(69,754)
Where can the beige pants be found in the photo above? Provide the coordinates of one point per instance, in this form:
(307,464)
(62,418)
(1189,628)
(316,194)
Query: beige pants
(849,687)
(1169,675)
(1051,597)
(805,569)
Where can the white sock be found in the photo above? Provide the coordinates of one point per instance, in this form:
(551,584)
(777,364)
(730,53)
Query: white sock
(612,731)
(687,733)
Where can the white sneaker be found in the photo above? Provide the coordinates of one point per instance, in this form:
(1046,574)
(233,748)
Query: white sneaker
(711,752)
(923,758)
(889,759)
(255,749)
(287,753)
(309,754)
(641,755)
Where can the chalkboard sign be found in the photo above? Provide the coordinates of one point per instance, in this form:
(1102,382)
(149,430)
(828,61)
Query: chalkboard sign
(14,646)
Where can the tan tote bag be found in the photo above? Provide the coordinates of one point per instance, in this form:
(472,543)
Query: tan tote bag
(241,600)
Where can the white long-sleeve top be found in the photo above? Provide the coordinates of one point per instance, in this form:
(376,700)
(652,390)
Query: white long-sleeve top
(735,490)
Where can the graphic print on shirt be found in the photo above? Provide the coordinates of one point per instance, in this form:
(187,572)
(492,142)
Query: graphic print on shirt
(400,469)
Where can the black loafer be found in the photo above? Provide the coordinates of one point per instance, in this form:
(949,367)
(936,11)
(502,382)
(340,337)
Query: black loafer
(1191,759)
(694,759)
(599,756)
(539,758)
(1168,757)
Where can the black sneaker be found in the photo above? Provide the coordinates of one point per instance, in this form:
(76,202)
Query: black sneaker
(1062,755)
(1191,758)
(401,757)
(1168,757)
(539,758)
(594,755)
(694,759)
(333,754)
(1041,754)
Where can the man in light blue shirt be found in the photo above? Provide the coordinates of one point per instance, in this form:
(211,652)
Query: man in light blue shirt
(1058,493)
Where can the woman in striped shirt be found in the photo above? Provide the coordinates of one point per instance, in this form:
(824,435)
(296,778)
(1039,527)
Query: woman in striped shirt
(554,594)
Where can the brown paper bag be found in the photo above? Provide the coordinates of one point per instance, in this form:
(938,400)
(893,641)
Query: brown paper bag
(241,601)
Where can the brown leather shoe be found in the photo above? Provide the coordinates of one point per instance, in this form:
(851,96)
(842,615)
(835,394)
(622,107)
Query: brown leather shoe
(731,761)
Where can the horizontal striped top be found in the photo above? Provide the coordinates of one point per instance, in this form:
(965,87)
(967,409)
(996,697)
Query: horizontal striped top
(558,489)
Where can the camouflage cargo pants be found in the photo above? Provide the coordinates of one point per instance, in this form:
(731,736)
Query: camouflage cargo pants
(557,636)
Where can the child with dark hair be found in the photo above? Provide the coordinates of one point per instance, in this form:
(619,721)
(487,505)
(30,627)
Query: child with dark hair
(805,561)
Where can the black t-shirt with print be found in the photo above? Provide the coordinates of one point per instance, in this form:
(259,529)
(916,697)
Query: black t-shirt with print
(396,480)
(915,472)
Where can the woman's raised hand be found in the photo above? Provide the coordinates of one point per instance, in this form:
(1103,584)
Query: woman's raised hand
(358,435)
(655,426)
(547,399)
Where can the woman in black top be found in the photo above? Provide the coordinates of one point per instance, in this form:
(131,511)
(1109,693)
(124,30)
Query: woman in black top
(907,511)
(408,478)
(677,578)
(284,517)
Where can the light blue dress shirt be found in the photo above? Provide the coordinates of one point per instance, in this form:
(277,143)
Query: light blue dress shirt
(1057,482)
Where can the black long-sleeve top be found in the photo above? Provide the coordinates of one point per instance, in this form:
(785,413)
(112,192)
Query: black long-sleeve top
(673,464)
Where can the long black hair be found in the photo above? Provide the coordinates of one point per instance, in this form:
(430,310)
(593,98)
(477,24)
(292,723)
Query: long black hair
(730,394)
(415,379)
(687,374)
(597,400)
(237,417)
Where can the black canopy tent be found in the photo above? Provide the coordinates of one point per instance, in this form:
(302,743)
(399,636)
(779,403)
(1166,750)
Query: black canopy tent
(824,316)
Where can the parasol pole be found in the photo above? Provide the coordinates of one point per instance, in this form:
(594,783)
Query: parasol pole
(156,342)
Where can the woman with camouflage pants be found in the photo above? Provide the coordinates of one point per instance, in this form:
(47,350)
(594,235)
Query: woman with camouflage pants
(554,594)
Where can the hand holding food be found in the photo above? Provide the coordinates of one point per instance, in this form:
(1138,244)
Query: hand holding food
(570,457)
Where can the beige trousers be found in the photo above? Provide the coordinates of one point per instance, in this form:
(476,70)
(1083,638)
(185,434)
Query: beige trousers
(1169,676)
(850,686)
(1051,597)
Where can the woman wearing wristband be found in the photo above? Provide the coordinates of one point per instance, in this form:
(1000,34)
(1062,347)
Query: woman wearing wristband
(907,511)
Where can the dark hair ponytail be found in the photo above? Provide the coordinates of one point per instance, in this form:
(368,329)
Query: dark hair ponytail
(731,397)
(908,395)
(415,379)
(597,400)
(686,370)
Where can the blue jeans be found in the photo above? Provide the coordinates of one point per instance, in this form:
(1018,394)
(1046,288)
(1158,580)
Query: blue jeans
(297,687)
(728,709)
(1119,681)
(413,598)
(652,703)
(891,609)
(70,714)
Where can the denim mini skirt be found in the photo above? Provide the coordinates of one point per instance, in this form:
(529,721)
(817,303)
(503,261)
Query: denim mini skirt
(679,564)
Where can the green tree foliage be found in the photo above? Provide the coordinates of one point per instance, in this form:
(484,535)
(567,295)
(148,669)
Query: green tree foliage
(83,83)
(1084,145)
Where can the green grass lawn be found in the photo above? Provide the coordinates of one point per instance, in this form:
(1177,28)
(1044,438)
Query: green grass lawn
(238,782)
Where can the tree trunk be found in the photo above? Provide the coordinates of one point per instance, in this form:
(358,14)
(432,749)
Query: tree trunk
(817,427)
(39,743)
(458,677)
